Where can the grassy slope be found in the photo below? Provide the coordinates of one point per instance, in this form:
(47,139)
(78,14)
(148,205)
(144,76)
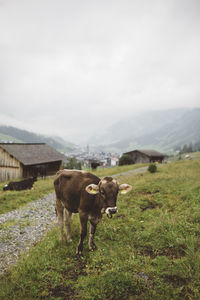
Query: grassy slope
(116,170)
(11,200)
(4,137)
(149,250)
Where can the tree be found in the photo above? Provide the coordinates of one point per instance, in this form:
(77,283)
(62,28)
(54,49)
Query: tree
(184,149)
(73,163)
(196,146)
(190,147)
(187,148)
(125,159)
(152,168)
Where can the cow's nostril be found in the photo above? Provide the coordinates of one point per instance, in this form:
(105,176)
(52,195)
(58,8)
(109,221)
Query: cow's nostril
(111,210)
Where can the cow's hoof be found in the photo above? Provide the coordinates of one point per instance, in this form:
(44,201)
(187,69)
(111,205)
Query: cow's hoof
(92,247)
(79,253)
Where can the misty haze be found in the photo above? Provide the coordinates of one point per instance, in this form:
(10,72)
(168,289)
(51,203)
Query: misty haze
(86,71)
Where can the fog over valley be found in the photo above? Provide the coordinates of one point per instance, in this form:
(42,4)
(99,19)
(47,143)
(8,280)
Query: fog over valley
(100,72)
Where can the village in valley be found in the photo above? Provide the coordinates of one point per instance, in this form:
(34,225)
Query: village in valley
(23,160)
(87,156)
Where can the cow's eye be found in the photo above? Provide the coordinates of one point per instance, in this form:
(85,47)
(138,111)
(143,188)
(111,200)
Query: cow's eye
(102,192)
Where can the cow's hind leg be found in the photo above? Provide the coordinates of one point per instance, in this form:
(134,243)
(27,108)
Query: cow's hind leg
(83,233)
(67,219)
(60,215)
(91,243)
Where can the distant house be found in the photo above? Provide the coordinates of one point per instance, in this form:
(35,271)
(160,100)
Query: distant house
(114,161)
(145,156)
(22,160)
(93,163)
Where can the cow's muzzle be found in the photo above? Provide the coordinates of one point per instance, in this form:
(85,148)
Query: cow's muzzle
(110,211)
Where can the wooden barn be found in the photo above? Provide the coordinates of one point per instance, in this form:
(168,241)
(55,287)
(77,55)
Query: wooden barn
(145,156)
(18,160)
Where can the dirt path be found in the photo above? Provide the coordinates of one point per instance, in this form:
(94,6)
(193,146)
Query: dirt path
(22,228)
(135,171)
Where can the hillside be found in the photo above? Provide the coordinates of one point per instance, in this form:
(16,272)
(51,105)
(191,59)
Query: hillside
(161,130)
(6,138)
(13,134)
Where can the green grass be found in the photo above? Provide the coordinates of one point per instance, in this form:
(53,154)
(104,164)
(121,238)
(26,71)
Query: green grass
(10,200)
(100,172)
(22,224)
(193,155)
(149,250)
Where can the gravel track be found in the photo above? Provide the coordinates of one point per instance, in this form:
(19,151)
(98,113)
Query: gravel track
(22,228)
(135,171)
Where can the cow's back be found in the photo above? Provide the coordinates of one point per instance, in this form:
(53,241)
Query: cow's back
(70,188)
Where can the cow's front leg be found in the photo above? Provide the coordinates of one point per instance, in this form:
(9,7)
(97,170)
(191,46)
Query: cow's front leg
(83,232)
(68,216)
(59,210)
(92,245)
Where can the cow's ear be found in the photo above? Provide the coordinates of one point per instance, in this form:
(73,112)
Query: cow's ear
(92,189)
(124,188)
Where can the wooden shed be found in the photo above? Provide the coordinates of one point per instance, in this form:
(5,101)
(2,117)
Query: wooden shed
(22,160)
(145,156)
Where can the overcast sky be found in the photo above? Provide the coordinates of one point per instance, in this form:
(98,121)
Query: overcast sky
(68,67)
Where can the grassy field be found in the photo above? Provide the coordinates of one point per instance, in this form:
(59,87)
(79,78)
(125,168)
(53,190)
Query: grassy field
(149,250)
(100,172)
(193,155)
(11,200)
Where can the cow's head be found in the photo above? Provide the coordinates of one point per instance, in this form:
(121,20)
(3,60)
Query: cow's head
(5,188)
(108,189)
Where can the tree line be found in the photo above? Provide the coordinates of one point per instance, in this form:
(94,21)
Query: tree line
(187,148)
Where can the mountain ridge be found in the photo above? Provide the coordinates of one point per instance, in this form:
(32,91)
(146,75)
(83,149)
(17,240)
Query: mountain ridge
(14,134)
(162,130)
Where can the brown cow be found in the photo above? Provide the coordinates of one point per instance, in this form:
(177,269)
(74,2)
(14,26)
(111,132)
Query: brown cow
(86,194)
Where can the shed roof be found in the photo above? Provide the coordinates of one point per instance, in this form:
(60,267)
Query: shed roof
(32,153)
(150,153)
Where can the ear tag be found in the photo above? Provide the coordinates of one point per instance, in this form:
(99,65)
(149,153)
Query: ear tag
(93,192)
(123,192)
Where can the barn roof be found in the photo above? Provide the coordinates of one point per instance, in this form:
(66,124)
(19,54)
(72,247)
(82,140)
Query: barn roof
(32,153)
(150,153)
